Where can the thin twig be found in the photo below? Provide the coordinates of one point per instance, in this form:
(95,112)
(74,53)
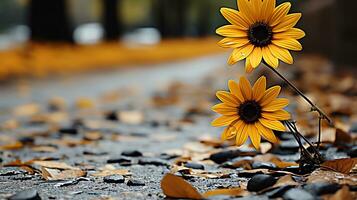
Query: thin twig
(313,106)
(319,137)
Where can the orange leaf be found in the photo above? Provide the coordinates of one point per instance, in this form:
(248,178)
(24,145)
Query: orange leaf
(176,187)
(344,165)
(229,191)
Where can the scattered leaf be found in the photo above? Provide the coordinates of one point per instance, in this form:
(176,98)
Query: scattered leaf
(344,165)
(55,174)
(229,192)
(111,170)
(176,187)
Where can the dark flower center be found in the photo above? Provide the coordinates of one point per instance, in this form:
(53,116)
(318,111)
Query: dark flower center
(260,34)
(249,111)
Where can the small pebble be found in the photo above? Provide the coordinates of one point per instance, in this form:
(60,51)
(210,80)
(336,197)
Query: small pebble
(133,153)
(260,182)
(322,188)
(297,194)
(153,161)
(193,165)
(30,194)
(134,182)
(224,156)
(114,179)
(119,160)
(263,165)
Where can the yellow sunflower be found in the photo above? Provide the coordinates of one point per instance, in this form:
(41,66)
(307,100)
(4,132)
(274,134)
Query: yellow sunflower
(252,112)
(259,30)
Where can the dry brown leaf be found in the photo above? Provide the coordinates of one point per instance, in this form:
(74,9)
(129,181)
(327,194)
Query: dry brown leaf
(275,160)
(131,117)
(342,137)
(93,135)
(44,149)
(343,193)
(331,177)
(265,147)
(53,165)
(344,165)
(26,109)
(108,170)
(229,192)
(13,146)
(84,103)
(55,174)
(176,187)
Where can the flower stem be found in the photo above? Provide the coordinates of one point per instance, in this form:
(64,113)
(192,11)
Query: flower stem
(313,106)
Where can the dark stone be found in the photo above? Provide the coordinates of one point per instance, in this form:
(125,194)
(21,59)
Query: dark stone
(94,153)
(263,165)
(352,152)
(297,194)
(134,182)
(119,160)
(133,153)
(114,179)
(322,188)
(278,192)
(284,135)
(30,194)
(153,161)
(260,181)
(224,156)
(353,128)
(27,140)
(193,165)
(71,131)
(353,188)
(112,116)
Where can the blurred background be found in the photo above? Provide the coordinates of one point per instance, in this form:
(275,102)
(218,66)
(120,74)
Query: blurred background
(40,37)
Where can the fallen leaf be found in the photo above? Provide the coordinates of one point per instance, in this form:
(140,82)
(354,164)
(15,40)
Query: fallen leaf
(265,147)
(13,146)
(343,193)
(93,135)
(108,170)
(176,187)
(44,149)
(331,177)
(26,109)
(55,174)
(229,192)
(131,117)
(342,137)
(53,165)
(275,160)
(344,165)
(84,103)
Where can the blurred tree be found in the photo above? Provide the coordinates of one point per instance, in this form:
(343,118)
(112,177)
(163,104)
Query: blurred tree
(48,21)
(111,21)
(171,17)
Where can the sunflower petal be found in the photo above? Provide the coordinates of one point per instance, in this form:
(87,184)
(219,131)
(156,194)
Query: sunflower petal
(224,120)
(270,95)
(291,33)
(275,105)
(234,88)
(231,31)
(267,9)
(233,42)
(245,88)
(272,124)
(228,133)
(259,88)
(224,109)
(227,98)
(244,8)
(242,52)
(279,13)
(256,5)
(269,58)
(281,53)
(242,134)
(277,115)
(248,66)
(267,133)
(235,18)
(254,136)
(290,44)
(288,22)
(256,57)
